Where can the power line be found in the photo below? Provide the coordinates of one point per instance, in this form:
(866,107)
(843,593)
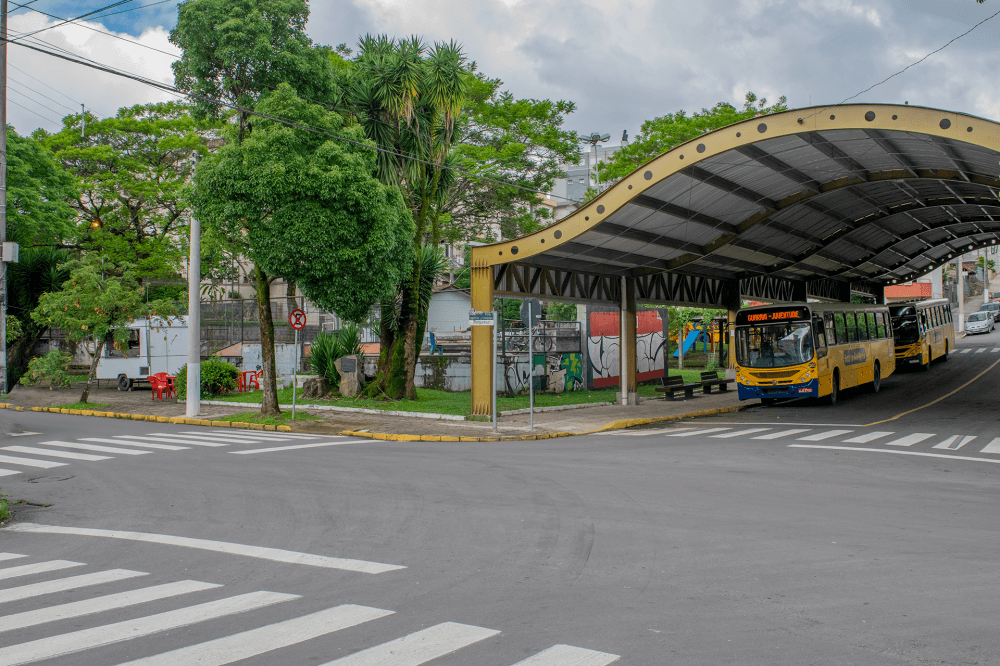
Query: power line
(133,9)
(43,82)
(12,80)
(32,111)
(240,109)
(96,11)
(18,92)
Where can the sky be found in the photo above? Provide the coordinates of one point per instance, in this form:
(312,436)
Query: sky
(621,62)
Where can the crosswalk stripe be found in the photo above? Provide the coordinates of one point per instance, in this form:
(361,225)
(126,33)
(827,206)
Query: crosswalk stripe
(10,556)
(30,462)
(981,350)
(738,433)
(262,435)
(275,554)
(922,454)
(867,437)
(54,453)
(222,438)
(783,433)
(910,440)
(824,435)
(642,433)
(301,446)
(55,646)
(567,655)
(992,447)
(95,447)
(37,568)
(698,432)
(144,445)
(265,639)
(101,604)
(127,439)
(419,647)
(995,350)
(8,472)
(964,351)
(953,443)
(62,584)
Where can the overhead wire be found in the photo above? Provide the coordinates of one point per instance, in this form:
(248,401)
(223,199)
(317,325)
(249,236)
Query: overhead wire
(96,11)
(18,92)
(44,83)
(32,111)
(13,80)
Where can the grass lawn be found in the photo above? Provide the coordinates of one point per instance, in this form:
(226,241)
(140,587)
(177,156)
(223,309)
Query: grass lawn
(431,401)
(254,417)
(85,405)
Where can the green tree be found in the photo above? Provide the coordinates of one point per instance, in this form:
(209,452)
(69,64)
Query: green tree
(38,271)
(661,134)
(560,311)
(236,51)
(132,169)
(97,301)
(38,190)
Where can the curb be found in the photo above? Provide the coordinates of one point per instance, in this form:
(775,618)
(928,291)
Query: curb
(556,408)
(351,410)
(614,425)
(148,417)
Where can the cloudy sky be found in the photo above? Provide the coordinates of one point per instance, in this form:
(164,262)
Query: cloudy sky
(621,62)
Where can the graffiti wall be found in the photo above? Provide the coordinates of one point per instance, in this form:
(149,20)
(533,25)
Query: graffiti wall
(603,346)
(550,372)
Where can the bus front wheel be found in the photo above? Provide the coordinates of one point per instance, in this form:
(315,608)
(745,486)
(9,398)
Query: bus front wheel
(876,377)
(925,364)
(834,387)
(945,357)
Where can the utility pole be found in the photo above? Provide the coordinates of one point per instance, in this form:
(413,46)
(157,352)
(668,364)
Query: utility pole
(593,140)
(83,119)
(3,194)
(194,319)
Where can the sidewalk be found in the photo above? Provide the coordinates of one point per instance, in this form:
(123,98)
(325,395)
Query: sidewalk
(559,423)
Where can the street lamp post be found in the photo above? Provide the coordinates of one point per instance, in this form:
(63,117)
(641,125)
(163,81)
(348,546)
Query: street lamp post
(593,140)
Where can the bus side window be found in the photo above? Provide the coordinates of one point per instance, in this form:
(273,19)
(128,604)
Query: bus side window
(947,310)
(831,336)
(872,331)
(820,333)
(937,316)
(862,326)
(840,328)
(880,325)
(852,327)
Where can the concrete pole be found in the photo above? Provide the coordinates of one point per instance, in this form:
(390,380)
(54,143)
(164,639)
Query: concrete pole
(3,193)
(961,296)
(194,322)
(622,354)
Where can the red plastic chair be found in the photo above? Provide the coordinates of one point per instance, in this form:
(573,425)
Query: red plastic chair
(171,388)
(157,385)
(252,378)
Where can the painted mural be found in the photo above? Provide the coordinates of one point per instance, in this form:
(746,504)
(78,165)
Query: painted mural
(603,347)
(554,373)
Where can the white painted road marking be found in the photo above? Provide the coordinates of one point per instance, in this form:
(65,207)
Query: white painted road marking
(8,472)
(165,447)
(62,584)
(274,554)
(981,350)
(40,567)
(567,655)
(995,349)
(953,442)
(272,637)
(739,433)
(867,437)
(231,439)
(128,439)
(55,453)
(261,435)
(23,434)
(910,440)
(642,433)
(300,446)
(419,647)
(824,435)
(10,556)
(698,432)
(56,646)
(101,604)
(902,453)
(30,462)
(94,447)
(964,351)
(992,447)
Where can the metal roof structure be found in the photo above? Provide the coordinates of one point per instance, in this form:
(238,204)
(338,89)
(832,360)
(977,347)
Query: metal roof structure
(838,198)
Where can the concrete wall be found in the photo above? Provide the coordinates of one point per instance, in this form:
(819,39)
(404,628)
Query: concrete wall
(449,311)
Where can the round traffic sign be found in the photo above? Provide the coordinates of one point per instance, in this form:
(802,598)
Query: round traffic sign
(297,319)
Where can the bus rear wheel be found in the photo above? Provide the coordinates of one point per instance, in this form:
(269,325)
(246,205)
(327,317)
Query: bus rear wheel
(876,377)
(835,387)
(945,357)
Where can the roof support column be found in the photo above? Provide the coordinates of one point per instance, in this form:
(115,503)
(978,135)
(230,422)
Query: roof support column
(482,343)
(629,393)
(732,301)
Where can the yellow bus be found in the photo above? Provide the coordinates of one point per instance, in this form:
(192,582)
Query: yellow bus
(924,331)
(811,350)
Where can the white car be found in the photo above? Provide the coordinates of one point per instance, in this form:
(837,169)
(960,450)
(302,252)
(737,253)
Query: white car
(979,322)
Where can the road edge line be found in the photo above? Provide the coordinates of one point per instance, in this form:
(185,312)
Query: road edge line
(207,423)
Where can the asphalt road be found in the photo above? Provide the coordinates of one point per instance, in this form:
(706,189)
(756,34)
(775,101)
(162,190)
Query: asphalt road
(747,544)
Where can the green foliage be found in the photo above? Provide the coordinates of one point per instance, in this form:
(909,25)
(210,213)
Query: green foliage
(217,376)
(53,368)
(511,308)
(37,191)
(14,328)
(309,207)
(560,311)
(661,134)
(328,347)
(4,507)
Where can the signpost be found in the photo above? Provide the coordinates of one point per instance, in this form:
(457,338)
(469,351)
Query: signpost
(531,311)
(477,318)
(297,320)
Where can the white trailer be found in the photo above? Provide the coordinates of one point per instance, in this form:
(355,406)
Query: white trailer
(154,345)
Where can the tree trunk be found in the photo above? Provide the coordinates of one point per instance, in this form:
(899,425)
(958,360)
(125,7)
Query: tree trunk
(411,346)
(93,371)
(290,301)
(269,383)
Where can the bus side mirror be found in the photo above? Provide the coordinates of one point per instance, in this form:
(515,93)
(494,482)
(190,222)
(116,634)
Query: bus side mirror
(821,353)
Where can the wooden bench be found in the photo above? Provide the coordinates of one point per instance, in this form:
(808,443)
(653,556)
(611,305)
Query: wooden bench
(671,385)
(710,379)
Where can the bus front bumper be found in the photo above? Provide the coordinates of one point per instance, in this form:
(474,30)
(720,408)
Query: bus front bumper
(808,389)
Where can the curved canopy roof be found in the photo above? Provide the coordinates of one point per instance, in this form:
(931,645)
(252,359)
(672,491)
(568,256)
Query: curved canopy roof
(855,193)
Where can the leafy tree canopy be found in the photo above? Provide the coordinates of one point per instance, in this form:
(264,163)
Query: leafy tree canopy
(37,191)
(661,134)
(309,207)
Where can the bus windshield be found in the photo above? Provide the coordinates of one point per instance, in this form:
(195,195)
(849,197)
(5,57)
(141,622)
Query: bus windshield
(774,345)
(905,329)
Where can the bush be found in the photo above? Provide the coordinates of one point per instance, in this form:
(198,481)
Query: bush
(328,347)
(217,376)
(4,507)
(53,367)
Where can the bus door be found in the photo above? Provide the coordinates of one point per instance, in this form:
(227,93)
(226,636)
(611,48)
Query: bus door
(822,353)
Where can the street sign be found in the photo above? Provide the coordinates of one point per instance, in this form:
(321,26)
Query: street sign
(531,311)
(480,318)
(297,319)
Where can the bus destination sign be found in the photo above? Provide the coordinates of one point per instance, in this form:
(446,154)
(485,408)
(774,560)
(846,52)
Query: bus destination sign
(765,316)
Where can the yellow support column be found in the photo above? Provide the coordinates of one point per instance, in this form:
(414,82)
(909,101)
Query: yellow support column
(482,341)
(630,384)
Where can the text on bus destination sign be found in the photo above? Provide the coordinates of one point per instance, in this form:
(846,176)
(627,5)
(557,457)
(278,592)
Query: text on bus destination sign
(775,316)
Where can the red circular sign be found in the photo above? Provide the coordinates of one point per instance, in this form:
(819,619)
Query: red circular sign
(297,319)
